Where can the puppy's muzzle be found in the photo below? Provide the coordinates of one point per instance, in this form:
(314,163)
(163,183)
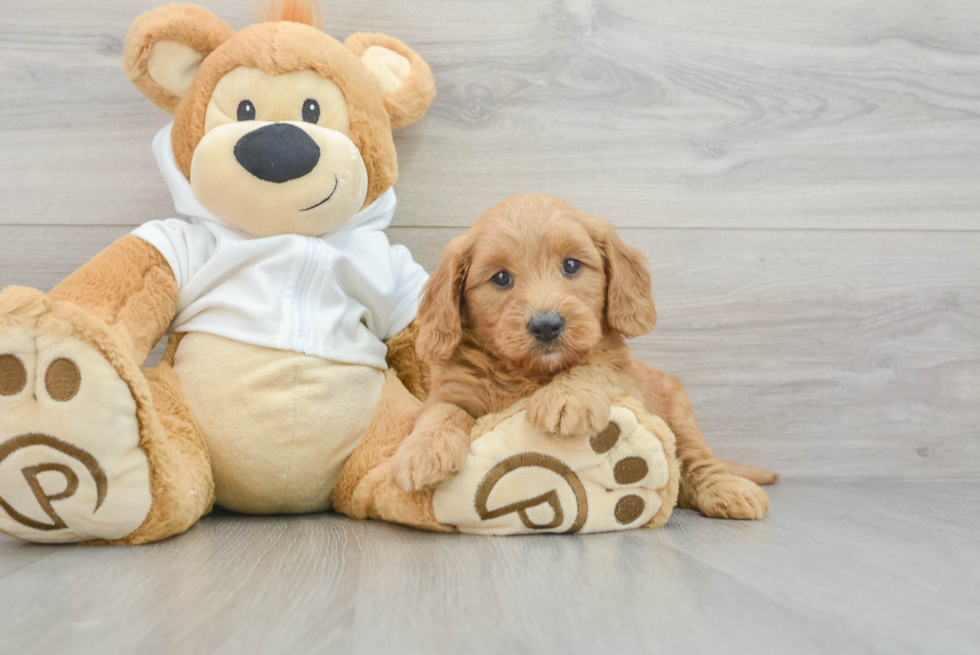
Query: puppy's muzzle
(546,326)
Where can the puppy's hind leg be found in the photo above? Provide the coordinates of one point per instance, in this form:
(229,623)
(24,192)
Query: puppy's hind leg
(753,473)
(707,484)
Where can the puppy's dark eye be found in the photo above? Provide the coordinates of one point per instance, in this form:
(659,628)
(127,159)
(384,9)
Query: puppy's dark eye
(246,111)
(311,110)
(502,280)
(571,266)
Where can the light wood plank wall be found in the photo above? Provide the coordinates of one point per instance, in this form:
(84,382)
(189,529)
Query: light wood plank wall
(804,178)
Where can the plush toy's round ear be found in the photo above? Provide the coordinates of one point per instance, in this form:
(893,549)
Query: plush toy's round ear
(165,48)
(404,77)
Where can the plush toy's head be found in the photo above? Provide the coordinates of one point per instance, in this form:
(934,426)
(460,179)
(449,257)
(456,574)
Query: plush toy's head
(280,128)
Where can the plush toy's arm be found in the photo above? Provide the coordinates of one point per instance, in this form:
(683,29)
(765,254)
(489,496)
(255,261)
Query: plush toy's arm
(130,287)
(402,358)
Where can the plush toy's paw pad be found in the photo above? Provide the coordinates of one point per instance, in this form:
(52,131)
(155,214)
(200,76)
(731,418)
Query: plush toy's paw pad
(733,497)
(70,466)
(518,479)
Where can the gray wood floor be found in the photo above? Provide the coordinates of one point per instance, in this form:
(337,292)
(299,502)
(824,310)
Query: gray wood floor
(844,567)
(805,180)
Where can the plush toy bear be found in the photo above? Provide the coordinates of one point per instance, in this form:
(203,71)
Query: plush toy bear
(285,303)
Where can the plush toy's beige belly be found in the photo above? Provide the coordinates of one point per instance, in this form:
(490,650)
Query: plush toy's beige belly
(279,425)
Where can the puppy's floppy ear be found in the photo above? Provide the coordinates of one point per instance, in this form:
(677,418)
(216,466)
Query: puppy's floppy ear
(440,323)
(629,297)
(165,48)
(405,79)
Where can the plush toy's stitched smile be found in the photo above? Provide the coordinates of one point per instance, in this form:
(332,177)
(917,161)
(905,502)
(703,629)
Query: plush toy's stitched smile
(329,196)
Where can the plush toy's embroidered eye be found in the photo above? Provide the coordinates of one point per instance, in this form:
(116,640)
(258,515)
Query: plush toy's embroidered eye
(502,280)
(571,266)
(246,111)
(311,110)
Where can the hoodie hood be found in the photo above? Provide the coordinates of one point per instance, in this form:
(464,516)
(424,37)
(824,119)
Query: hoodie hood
(376,216)
(338,295)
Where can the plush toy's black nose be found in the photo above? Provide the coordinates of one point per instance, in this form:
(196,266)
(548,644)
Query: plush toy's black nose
(546,326)
(278,153)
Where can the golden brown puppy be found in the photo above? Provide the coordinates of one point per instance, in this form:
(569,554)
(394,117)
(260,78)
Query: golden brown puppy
(535,301)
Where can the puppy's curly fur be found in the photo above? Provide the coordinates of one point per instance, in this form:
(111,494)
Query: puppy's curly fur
(531,256)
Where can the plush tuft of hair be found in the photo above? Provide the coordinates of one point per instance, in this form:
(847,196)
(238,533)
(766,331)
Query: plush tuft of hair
(306,12)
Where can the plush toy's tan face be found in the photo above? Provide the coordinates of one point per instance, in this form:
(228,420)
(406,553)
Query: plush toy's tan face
(282,143)
(280,128)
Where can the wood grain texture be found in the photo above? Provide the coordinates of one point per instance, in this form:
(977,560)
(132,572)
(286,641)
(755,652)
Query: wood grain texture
(837,114)
(872,567)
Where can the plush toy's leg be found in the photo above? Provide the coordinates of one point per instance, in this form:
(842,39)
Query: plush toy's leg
(365,488)
(707,483)
(91,449)
(181,479)
(518,480)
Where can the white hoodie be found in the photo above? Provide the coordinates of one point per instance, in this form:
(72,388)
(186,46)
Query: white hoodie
(336,296)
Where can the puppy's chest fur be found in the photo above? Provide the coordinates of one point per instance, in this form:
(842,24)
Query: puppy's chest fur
(481,384)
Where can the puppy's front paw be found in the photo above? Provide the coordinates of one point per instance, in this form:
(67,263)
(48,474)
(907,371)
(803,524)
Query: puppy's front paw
(567,411)
(426,459)
(732,497)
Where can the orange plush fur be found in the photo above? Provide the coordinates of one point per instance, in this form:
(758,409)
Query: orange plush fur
(295,11)
(476,336)
(279,47)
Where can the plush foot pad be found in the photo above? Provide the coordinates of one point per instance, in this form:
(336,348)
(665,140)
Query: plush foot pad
(518,480)
(70,466)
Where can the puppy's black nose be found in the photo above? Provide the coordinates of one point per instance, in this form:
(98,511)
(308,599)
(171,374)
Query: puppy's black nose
(278,153)
(546,326)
